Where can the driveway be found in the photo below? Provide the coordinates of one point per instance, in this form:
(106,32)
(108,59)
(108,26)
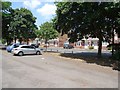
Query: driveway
(50,71)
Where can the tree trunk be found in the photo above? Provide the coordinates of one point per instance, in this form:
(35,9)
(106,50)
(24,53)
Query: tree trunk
(27,41)
(100,45)
(112,42)
(20,40)
(46,43)
(15,39)
(9,40)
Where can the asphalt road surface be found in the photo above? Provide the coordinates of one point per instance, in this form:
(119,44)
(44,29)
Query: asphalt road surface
(51,71)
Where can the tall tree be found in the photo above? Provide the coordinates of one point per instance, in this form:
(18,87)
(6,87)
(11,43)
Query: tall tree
(78,19)
(47,31)
(23,24)
(6,13)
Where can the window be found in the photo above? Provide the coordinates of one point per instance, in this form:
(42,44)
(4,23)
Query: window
(15,46)
(32,47)
(25,47)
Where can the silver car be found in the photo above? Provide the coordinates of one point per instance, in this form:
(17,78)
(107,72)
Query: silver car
(26,49)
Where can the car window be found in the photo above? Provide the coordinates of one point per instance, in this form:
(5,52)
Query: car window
(32,47)
(15,46)
(25,47)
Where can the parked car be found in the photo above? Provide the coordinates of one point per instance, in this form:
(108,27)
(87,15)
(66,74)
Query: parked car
(67,46)
(26,49)
(3,47)
(35,45)
(10,47)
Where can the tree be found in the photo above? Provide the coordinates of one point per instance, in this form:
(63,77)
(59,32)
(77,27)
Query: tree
(6,14)
(23,25)
(47,31)
(79,19)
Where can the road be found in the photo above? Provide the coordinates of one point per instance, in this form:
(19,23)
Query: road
(88,52)
(74,50)
(51,71)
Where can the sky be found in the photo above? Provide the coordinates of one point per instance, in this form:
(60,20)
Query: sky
(42,10)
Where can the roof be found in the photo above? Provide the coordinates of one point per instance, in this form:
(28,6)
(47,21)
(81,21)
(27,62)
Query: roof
(23,45)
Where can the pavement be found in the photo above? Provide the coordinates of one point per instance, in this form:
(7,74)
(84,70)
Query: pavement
(52,71)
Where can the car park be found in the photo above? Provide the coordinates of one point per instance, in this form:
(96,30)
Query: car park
(26,49)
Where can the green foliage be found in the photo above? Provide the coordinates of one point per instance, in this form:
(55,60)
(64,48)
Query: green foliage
(5,6)
(2,41)
(91,47)
(23,24)
(109,48)
(47,31)
(6,13)
(17,23)
(96,19)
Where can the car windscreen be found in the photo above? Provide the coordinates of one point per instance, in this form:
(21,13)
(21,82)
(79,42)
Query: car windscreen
(15,46)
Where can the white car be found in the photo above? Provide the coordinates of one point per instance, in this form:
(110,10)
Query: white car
(26,49)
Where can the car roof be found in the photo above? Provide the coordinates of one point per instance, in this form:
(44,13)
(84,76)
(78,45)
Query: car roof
(23,45)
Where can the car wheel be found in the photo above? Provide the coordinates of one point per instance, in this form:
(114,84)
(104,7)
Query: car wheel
(20,53)
(38,53)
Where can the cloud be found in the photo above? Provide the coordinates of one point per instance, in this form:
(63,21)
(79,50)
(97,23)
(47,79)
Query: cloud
(32,4)
(47,10)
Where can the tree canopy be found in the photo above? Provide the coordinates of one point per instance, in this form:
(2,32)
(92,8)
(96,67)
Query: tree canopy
(47,31)
(17,23)
(23,24)
(6,14)
(94,19)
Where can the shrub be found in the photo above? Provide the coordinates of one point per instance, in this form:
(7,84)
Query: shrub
(3,41)
(109,48)
(91,47)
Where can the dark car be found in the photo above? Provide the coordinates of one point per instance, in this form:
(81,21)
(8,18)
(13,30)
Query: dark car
(67,46)
(35,45)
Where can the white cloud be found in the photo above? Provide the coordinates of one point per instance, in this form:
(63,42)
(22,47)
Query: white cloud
(31,3)
(47,10)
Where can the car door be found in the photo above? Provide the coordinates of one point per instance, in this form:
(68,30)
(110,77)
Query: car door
(29,50)
(32,50)
(25,49)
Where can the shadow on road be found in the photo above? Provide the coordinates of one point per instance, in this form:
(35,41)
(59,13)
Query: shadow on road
(91,57)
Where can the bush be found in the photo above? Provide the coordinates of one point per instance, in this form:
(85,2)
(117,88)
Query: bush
(91,47)
(109,48)
(3,41)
